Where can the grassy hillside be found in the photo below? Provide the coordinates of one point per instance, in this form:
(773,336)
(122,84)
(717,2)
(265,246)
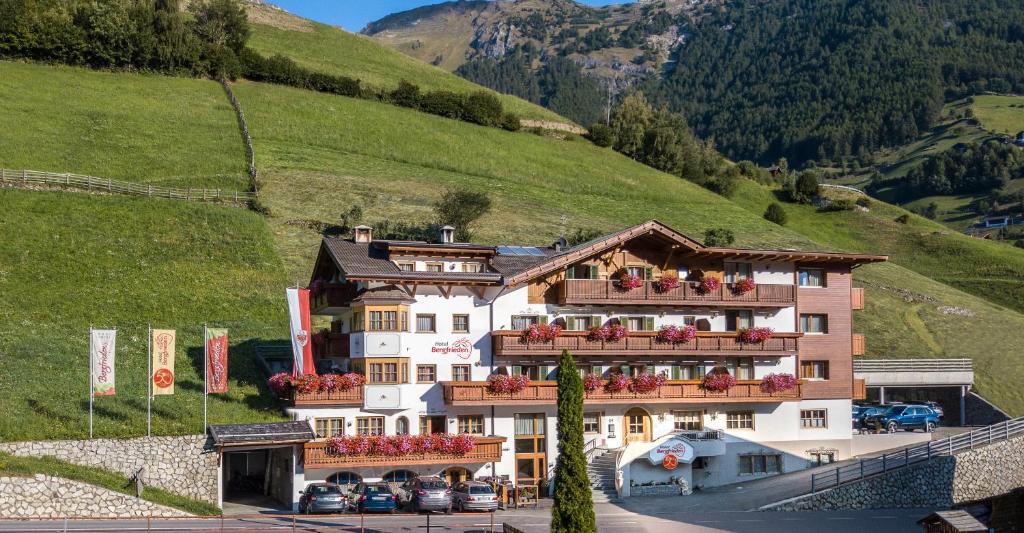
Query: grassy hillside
(70,260)
(143,128)
(1000,113)
(336,51)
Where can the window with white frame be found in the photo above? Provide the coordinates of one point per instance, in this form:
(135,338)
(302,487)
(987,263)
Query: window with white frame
(329,427)
(473,424)
(370,425)
(739,420)
(524,321)
(592,422)
(426,323)
(813,418)
(460,323)
(688,420)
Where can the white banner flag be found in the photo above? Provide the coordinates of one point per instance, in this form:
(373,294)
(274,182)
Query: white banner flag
(101,356)
(298,318)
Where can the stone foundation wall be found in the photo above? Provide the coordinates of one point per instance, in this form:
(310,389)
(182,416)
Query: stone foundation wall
(940,483)
(185,465)
(44,496)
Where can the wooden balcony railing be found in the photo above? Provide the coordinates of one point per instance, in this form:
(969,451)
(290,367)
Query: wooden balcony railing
(333,295)
(673,391)
(353,396)
(599,291)
(337,345)
(859,344)
(643,343)
(318,455)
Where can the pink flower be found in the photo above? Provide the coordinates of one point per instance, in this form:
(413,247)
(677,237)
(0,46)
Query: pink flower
(629,281)
(718,381)
(667,283)
(279,383)
(773,383)
(541,333)
(646,383)
(744,286)
(463,444)
(676,334)
(708,285)
(307,383)
(349,381)
(607,332)
(503,384)
(754,335)
(616,383)
(591,382)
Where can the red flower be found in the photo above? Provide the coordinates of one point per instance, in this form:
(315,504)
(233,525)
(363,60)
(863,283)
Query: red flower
(592,382)
(708,285)
(676,334)
(744,286)
(307,383)
(629,281)
(646,383)
(755,335)
(541,333)
(718,381)
(607,332)
(503,384)
(667,283)
(773,383)
(616,383)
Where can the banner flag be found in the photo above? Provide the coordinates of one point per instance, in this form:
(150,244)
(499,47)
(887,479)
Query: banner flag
(302,348)
(163,361)
(216,360)
(101,357)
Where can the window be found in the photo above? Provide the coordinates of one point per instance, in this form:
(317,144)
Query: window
(473,424)
(430,425)
(591,422)
(761,464)
(426,373)
(819,458)
(534,372)
(737,319)
(690,320)
(345,478)
(688,420)
(329,427)
(813,369)
(814,324)
(739,420)
(435,267)
(813,418)
(740,367)
(387,371)
(370,425)
(401,426)
(461,373)
(387,320)
(581,272)
(734,272)
(472,267)
(399,476)
(524,321)
(638,323)
(639,271)
(688,371)
(581,323)
(426,324)
(460,323)
(407,267)
(811,277)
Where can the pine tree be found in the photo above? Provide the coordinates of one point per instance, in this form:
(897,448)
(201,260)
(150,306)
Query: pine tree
(573,510)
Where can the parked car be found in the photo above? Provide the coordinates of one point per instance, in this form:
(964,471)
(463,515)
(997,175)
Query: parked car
(474,496)
(861,414)
(906,417)
(425,493)
(372,498)
(937,408)
(323,498)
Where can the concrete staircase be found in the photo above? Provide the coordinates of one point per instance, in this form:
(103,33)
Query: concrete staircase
(601,471)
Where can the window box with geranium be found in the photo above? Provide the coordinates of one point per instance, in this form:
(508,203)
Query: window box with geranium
(708,285)
(401,445)
(774,383)
(608,333)
(754,335)
(676,334)
(627,281)
(616,383)
(744,286)
(718,381)
(592,382)
(541,333)
(505,384)
(282,383)
(667,283)
(646,383)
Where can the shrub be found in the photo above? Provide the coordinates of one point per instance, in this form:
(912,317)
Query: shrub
(482,107)
(511,122)
(601,135)
(903,219)
(841,204)
(326,83)
(719,237)
(406,95)
(573,508)
(775,214)
(442,103)
(805,188)
(461,208)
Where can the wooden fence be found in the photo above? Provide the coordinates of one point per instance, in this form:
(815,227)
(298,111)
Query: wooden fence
(68,180)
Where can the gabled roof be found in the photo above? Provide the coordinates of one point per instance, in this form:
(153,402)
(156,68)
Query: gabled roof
(257,434)
(369,261)
(384,294)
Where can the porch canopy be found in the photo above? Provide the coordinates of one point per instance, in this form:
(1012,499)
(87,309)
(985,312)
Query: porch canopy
(267,434)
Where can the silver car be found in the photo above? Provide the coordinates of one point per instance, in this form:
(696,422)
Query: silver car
(474,496)
(426,493)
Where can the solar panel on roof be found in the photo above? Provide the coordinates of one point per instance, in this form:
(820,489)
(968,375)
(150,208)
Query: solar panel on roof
(520,250)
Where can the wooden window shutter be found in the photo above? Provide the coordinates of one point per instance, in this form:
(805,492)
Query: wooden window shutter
(623,321)
(649,323)
(517,370)
(677,372)
(543,319)
(648,273)
(593,272)
(595,321)
(570,323)
(596,370)
(542,372)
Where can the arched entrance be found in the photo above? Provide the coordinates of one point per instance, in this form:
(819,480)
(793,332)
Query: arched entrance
(636,424)
(457,474)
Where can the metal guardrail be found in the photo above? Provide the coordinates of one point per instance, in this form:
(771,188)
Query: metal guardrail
(913,365)
(701,435)
(843,187)
(589,449)
(864,468)
(92,183)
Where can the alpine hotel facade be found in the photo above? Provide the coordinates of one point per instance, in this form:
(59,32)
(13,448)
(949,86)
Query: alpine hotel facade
(427,324)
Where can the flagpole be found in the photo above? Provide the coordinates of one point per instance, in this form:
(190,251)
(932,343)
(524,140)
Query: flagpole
(149,379)
(206,373)
(90,381)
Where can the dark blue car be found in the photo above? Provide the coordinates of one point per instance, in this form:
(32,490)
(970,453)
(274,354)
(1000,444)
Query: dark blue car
(906,417)
(373,498)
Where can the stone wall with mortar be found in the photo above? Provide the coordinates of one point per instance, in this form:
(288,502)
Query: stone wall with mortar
(940,483)
(185,465)
(44,496)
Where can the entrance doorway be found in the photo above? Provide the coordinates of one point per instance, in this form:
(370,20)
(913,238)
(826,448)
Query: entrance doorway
(531,448)
(258,478)
(637,424)
(457,474)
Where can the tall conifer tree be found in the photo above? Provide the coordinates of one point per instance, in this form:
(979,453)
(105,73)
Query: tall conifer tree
(573,510)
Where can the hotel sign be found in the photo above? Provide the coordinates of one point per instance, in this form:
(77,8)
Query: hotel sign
(461,347)
(681,451)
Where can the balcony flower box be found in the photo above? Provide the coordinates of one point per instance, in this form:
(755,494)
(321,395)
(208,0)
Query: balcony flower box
(718,381)
(282,383)
(401,445)
(504,384)
(608,333)
(744,286)
(667,283)
(646,383)
(708,285)
(616,383)
(676,334)
(592,382)
(774,383)
(541,333)
(754,335)
(628,282)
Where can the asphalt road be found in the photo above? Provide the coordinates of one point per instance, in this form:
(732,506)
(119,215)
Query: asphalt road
(610,518)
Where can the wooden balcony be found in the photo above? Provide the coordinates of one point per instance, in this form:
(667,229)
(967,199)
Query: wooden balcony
(337,345)
(318,455)
(509,343)
(607,292)
(859,344)
(857,299)
(673,391)
(332,298)
(353,396)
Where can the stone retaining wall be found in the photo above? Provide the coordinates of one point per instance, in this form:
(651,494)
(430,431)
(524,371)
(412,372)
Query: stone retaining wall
(185,465)
(44,496)
(940,483)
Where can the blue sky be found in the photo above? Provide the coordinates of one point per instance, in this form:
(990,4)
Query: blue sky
(354,14)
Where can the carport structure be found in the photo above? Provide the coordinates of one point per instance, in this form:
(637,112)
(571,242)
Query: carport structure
(946,381)
(260,462)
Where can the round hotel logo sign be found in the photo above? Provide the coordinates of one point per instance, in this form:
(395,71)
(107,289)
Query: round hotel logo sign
(462,347)
(673,451)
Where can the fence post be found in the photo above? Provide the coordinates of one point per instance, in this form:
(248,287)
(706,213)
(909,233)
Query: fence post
(906,456)
(150,190)
(883,462)
(949,442)
(24,176)
(837,477)
(67,179)
(812,482)
(970,439)
(1006,429)
(109,185)
(861,463)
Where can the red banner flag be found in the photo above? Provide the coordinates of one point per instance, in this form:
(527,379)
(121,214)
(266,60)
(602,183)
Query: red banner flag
(216,360)
(302,347)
